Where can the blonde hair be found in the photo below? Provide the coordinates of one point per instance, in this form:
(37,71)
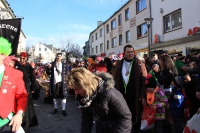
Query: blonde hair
(83,79)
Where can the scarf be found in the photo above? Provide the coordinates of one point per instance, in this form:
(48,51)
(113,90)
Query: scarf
(84,102)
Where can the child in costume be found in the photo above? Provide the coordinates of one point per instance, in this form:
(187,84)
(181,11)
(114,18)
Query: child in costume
(157,98)
(176,101)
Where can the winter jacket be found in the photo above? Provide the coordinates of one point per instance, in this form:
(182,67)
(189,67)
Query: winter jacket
(179,64)
(135,89)
(176,104)
(109,107)
(164,78)
(160,103)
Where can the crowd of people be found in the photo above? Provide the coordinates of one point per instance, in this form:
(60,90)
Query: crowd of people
(168,84)
(116,92)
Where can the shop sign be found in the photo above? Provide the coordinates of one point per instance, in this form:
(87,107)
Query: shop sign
(193,31)
(140,46)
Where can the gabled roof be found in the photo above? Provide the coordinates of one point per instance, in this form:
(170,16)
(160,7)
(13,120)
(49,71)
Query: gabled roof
(49,46)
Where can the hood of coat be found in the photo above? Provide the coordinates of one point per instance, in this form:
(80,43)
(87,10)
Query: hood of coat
(107,78)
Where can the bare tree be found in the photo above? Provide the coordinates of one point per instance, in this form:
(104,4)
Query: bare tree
(71,50)
(76,51)
(66,47)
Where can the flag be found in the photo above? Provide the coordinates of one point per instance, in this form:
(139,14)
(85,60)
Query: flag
(10,29)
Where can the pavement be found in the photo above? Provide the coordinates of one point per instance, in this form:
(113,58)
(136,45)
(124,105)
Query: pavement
(48,123)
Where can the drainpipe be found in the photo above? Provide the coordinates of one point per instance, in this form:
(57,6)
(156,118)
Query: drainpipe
(150,22)
(104,38)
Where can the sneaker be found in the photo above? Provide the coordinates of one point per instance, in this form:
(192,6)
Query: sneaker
(64,113)
(55,111)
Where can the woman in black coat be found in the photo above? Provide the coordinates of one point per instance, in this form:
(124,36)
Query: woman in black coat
(96,96)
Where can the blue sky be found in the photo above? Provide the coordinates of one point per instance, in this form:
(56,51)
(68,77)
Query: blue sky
(50,21)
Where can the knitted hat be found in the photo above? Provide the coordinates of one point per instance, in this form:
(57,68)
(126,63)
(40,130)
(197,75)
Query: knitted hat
(179,81)
(150,81)
(23,54)
(155,64)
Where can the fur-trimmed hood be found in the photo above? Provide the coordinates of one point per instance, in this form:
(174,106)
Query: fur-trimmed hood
(107,78)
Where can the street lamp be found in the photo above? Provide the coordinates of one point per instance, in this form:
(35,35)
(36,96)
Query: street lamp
(149,20)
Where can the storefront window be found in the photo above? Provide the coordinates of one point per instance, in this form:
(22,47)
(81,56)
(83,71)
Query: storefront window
(193,50)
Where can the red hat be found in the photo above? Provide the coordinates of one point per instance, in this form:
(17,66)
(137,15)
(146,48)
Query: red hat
(98,58)
(23,54)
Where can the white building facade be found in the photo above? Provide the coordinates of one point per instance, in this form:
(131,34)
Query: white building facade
(125,26)
(177,26)
(42,53)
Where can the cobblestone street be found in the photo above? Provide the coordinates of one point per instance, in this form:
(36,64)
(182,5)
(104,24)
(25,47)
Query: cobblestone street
(49,123)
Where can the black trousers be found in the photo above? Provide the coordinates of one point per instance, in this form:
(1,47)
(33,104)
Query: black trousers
(6,129)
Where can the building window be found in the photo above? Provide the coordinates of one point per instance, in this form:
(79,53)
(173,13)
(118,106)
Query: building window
(92,50)
(127,14)
(119,19)
(142,30)
(107,28)
(120,39)
(96,49)
(96,37)
(141,4)
(39,49)
(101,47)
(173,21)
(101,32)
(113,24)
(45,49)
(92,39)
(108,45)
(114,43)
(128,36)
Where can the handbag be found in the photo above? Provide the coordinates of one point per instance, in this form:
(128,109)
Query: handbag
(148,117)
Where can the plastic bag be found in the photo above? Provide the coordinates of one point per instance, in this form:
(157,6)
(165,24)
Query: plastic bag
(148,117)
(193,125)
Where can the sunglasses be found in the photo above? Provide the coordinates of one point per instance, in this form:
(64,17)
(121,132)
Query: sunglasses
(22,58)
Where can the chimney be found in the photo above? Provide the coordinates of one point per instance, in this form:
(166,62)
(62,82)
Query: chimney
(99,23)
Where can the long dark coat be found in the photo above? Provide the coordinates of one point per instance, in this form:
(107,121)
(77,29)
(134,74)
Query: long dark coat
(30,118)
(135,89)
(109,107)
(63,84)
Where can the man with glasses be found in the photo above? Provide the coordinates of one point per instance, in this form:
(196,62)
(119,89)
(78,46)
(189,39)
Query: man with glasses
(58,83)
(29,70)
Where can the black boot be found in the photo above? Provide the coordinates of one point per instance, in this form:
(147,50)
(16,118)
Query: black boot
(64,113)
(55,111)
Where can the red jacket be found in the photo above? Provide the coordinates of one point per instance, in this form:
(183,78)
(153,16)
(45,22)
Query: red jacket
(98,67)
(13,95)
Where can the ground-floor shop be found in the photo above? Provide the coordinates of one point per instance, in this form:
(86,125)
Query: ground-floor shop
(187,45)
